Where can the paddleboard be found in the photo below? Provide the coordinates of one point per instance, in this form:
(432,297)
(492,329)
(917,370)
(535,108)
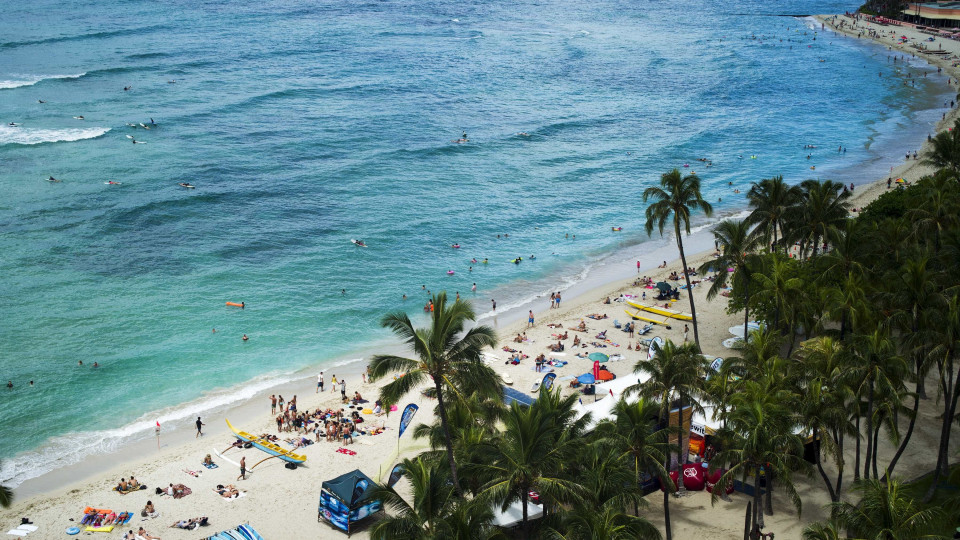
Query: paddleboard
(535,388)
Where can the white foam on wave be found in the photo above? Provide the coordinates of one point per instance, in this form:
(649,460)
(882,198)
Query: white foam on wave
(21,135)
(17,81)
(72,448)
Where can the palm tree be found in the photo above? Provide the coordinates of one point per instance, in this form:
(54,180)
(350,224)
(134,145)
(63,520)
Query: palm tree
(944,152)
(531,454)
(878,369)
(777,285)
(938,212)
(444,356)
(825,397)
(738,247)
(635,435)
(675,200)
(604,523)
(759,435)
(945,351)
(665,374)
(824,208)
(771,199)
(914,301)
(886,512)
(436,512)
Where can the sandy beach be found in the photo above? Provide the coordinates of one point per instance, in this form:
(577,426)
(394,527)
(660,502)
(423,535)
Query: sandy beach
(282,503)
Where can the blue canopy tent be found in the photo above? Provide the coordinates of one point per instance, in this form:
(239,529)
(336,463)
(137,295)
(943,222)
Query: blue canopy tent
(347,499)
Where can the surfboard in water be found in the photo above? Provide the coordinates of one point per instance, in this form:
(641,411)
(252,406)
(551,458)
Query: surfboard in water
(357,243)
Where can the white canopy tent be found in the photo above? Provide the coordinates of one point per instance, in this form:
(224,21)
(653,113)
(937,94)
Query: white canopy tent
(513,516)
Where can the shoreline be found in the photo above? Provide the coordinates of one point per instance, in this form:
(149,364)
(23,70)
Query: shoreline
(54,492)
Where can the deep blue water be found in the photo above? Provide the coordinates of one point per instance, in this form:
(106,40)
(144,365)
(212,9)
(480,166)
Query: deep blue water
(303,126)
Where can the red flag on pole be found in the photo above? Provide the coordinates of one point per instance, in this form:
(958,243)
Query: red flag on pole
(596,370)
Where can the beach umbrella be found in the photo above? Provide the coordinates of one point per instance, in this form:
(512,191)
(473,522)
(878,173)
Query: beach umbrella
(598,357)
(586,378)
(664,286)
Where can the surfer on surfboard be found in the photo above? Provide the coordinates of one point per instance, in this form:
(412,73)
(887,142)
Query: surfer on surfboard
(359,243)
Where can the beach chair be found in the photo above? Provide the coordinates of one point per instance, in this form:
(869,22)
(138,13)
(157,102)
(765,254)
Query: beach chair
(616,323)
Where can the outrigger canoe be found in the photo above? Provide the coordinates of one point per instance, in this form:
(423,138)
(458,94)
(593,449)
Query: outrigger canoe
(661,311)
(637,316)
(267,446)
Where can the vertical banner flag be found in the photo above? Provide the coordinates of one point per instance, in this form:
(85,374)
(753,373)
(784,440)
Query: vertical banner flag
(596,370)
(395,475)
(358,488)
(548,381)
(407,417)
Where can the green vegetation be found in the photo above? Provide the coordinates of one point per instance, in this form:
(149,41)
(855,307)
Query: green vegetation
(860,336)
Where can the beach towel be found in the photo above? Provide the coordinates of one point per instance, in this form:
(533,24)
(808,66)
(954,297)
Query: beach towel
(23,530)
(209,465)
(129,490)
(346,451)
(180,491)
(239,495)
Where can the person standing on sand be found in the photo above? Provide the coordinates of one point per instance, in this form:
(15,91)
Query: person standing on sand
(333,381)
(530,319)
(320,382)
(553,299)
(199,428)
(343,389)
(243,468)
(494,302)
(686,330)
(638,267)
(273,404)
(558,299)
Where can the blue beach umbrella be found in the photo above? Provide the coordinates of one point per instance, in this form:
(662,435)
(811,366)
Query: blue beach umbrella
(598,357)
(586,378)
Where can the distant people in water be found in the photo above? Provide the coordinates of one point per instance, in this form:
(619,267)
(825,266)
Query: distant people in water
(52,179)
(245,338)
(95,364)
(41,101)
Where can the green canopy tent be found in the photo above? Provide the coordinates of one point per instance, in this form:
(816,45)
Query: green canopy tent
(347,499)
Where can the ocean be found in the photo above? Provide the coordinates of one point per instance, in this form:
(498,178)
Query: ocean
(305,126)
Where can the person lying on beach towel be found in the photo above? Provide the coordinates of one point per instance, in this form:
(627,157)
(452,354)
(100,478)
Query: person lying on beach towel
(145,535)
(509,350)
(554,325)
(191,524)
(229,491)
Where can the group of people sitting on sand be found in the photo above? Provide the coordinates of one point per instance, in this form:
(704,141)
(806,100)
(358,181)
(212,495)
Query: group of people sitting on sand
(556,347)
(128,486)
(521,338)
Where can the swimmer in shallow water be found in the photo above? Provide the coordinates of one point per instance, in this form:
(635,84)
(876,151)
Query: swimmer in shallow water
(52,179)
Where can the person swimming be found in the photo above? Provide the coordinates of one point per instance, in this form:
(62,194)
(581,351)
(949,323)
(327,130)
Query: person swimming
(52,179)
(80,117)
(41,101)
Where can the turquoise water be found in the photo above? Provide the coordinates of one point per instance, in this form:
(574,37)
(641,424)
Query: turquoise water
(305,126)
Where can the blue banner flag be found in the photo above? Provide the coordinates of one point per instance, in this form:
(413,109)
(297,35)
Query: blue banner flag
(407,417)
(548,381)
(395,475)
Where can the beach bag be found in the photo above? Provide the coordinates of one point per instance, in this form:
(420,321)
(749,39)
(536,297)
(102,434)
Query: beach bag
(291,466)
(159,491)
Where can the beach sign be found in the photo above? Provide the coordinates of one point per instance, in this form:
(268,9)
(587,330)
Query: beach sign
(407,417)
(547,383)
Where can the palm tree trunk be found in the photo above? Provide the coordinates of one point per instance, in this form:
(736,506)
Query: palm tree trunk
(840,465)
(523,498)
(951,393)
(746,306)
(869,452)
(769,494)
(757,498)
(446,435)
(873,459)
(823,474)
(856,463)
(666,510)
(747,519)
(683,260)
(906,438)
